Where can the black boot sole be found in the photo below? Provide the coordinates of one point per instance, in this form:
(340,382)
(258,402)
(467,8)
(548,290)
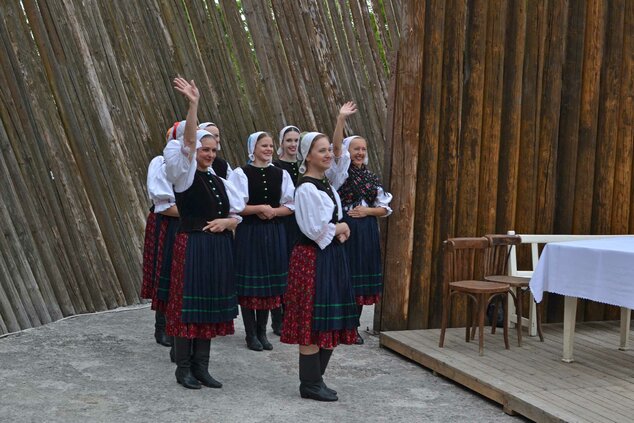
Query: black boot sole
(188,385)
(209,383)
(332,398)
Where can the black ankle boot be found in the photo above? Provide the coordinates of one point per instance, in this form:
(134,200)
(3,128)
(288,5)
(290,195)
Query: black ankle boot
(200,364)
(359,340)
(248,317)
(262,318)
(182,353)
(310,379)
(159,330)
(277,315)
(172,355)
(324,359)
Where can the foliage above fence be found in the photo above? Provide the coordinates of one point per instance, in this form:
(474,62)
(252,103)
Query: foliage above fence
(86,98)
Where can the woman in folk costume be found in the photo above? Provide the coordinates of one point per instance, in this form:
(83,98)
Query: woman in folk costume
(220,166)
(261,260)
(160,231)
(363,199)
(202,302)
(287,160)
(320,308)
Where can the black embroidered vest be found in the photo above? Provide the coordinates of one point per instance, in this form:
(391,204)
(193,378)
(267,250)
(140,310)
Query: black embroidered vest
(204,201)
(265,185)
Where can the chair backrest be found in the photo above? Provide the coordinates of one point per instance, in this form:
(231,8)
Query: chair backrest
(463,259)
(497,256)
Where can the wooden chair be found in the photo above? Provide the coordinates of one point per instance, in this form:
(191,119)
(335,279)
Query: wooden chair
(497,272)
(460,276)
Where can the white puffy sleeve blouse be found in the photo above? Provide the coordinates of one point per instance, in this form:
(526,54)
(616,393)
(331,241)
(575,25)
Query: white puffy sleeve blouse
(159,189)
(313,211)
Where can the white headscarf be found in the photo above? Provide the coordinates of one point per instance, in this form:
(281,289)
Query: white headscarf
(206,124)
(200,134)
(177,131)
(304,148)
(346,145)
(282,133)
(251,142)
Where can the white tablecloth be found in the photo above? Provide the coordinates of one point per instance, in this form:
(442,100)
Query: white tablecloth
(596,269)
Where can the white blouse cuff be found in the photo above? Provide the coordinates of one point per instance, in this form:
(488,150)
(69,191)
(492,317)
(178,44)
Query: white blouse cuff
(161,206)
(326,236)
(388,209)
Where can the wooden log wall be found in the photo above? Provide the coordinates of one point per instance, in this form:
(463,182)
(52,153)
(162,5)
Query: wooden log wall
(86,98)
(505,115)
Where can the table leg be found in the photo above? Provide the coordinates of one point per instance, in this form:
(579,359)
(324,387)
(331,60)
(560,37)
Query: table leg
(625,328)
(532,315)
(570,317)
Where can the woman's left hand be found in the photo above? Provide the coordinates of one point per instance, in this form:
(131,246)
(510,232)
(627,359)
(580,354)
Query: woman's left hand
(221,225)
(359,211)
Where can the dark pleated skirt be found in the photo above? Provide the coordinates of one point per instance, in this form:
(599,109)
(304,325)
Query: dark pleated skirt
(150,245)
(202,299)
(169,228)
(261,261)
(363,249)
(320,308)
(293,234)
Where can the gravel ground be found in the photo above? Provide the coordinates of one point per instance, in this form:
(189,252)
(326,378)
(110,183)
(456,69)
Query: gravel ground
(107,368)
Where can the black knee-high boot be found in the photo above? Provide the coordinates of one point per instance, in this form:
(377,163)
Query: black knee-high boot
(200,364)
(324,358)
(182,352)
(159,330)
(262,318)
(248,317)
(359,340)
(277,315)
(310,379)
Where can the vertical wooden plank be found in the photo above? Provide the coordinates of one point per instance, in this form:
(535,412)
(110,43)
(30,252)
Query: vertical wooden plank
(491,117)
(529,128)
(607,136)
(449,139)
(378,312)
(406,132)
(470,143)
(621,212)
(590,88)
(511,116)
(550,94)
(432,82)
(471,120)
(588,120)
(572,74)
(607,133)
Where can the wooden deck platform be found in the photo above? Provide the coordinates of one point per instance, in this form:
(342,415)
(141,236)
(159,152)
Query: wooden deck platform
(532,380)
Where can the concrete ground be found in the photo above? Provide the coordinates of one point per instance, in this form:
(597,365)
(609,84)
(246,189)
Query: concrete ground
(107,368)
